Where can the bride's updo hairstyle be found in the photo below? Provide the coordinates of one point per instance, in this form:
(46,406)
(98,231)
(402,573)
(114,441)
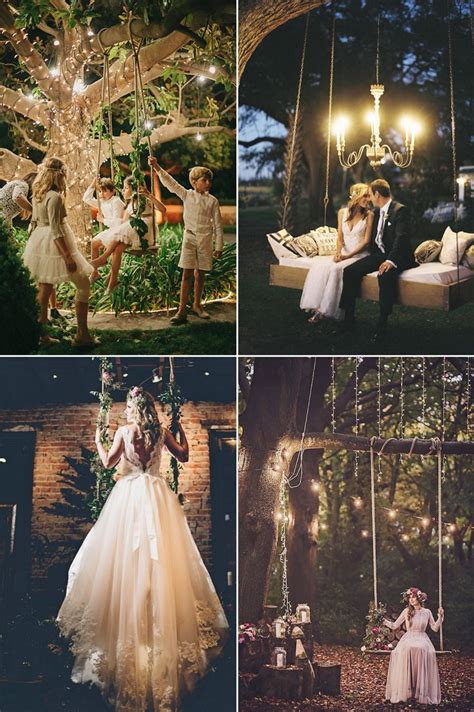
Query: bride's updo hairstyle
(357,192)
(143,413)
(51,176)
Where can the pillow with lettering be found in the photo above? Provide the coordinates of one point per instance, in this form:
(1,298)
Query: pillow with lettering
(428,251)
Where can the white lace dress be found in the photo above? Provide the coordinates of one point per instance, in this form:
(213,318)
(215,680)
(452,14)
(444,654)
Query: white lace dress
(140,608)
(323,285)
(413,670)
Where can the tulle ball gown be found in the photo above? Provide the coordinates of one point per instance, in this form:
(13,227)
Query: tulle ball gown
(413,670)
(323,285)
(140,608)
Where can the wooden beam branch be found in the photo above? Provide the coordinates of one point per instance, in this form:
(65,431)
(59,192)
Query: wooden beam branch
(21,104)
(319,441)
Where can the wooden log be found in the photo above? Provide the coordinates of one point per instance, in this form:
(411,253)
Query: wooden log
(334,441)
(285,683)
(253,654)
(328,679)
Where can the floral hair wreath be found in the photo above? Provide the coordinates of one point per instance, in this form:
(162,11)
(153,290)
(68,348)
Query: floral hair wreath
(420,595)
(137,395)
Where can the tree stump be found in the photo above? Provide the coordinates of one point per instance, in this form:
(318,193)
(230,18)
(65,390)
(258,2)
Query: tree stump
(253,654)
(286,683)
(269,613)
(328,679)
(290,646)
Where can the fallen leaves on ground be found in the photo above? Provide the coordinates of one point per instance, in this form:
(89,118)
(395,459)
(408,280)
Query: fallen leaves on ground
(363,685)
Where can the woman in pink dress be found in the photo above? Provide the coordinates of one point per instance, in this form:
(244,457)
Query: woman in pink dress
(413,670)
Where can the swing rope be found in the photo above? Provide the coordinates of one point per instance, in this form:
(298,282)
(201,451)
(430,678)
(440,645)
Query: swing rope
(286,199)
(453,135)
(105,96)
(140,103)
(436,447)
(331,84)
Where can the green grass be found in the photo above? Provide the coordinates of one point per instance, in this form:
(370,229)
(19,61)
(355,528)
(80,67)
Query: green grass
(271,322)
(208,338)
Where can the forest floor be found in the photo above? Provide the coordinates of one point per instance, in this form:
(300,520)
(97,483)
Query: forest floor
(271,321)
(363,685)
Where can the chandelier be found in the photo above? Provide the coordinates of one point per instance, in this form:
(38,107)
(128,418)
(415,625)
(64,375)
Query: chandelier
(376,151)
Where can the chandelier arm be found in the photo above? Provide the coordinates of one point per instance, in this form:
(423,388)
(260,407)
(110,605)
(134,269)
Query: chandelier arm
(353,157)
(400,160)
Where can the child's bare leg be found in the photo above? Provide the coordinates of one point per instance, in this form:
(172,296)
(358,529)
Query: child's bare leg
(116,262)
(96,244)
(52,299)
(199,277)
(44,294)
(102,260)
(186,284)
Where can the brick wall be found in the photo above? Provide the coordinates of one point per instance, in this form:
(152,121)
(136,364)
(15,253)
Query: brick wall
(62,430)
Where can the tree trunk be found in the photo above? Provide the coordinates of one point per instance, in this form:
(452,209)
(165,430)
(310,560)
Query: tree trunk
(258,18)
(269,418)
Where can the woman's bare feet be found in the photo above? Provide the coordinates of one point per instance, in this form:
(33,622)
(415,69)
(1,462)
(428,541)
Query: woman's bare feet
(317,316)
(113,282)
(95,275)
(99,262)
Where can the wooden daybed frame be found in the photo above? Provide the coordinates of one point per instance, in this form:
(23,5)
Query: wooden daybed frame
(443,297)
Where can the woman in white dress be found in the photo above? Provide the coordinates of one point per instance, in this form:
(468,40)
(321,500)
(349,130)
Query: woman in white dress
(323,285)
(140,608)
(51,253)
(413,670)
(117,238)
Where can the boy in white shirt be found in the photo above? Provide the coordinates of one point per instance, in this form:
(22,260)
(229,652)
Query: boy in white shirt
(202,225)
(110,210)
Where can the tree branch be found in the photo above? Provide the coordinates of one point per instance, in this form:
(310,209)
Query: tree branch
(263,139)
(13,166)
(162,134)
(18,38)
(318,441)
(16,101)
(28,139)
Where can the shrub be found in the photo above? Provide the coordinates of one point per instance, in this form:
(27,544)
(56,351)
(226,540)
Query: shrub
(18,304)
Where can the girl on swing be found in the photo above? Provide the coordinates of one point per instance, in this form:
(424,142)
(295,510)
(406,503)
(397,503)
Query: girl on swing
(413,670)
(118,237)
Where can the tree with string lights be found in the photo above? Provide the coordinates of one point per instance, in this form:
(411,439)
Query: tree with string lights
(54,95)
(307,428)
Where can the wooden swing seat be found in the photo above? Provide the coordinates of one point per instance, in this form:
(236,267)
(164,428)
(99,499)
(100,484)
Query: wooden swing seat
(387,652)
(428,294)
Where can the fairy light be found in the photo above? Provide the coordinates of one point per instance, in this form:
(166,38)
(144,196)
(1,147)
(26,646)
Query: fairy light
(56,43)
(468,396)
(365,533)
(315,486)
(199,136)
(402,401)
(333,395)
(392,513)
(452,528)
(283,521)
(426,521)
(54,71)
(356,452)
(405,537)
(201,79)
(358,502)
(212,69)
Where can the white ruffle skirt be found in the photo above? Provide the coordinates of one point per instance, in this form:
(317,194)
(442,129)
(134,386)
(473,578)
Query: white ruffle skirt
(44,260)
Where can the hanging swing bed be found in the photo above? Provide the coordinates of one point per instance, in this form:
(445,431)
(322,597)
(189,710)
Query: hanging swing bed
(431,285)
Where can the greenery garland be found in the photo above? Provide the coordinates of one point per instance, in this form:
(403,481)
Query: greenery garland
(173,398)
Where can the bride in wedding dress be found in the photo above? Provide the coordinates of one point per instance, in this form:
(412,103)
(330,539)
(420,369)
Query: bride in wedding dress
(323,285)
(140,608)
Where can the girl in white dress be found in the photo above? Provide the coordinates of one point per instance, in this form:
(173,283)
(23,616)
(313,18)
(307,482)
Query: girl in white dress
(118,237)
(413,670)
(323,285)
(51,253)
(140,606)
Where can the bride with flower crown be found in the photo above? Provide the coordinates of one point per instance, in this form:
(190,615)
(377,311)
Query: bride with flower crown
(323,285)
(140,608)
(413,670)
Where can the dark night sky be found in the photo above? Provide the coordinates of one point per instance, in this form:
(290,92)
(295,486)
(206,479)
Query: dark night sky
(31,381)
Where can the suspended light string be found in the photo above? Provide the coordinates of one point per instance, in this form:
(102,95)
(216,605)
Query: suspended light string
(297,472)
(374,529)
(331,82)
(423,398)
(468,396)
(443,413)
(333,395)
(402,401)
(285,592)
(440,539)
(379,414)
(356,424)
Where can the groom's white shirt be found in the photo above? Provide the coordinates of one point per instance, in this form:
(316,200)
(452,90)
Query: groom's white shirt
(380,228)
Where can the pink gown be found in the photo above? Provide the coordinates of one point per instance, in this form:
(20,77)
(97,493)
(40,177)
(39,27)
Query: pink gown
(413,670)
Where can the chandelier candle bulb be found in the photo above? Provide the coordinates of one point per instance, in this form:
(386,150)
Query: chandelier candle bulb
(303,613)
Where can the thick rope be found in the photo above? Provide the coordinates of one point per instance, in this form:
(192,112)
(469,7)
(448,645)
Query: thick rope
(295,125)
(328,147)
(453,135)
(440,542)
(372,502)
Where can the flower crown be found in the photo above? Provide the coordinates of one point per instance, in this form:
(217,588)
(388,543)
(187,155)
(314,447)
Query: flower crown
(137,395)
(421,596)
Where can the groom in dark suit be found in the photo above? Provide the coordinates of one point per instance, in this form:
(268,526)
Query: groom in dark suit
(390,254)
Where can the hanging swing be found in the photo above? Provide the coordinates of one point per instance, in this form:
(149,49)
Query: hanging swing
(148,240)
(431,285)
(436,448)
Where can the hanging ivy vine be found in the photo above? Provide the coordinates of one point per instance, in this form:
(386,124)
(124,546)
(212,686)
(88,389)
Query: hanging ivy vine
(173,398)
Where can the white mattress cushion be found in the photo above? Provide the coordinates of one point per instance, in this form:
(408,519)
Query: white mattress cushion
(428,273)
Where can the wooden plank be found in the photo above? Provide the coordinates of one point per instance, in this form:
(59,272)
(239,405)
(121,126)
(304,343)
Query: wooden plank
(442,297)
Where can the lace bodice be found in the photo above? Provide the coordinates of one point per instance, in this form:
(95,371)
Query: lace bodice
(352,236)
(418,624)
(130,463)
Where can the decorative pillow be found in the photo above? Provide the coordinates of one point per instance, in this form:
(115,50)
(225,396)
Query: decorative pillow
(468,260)
(306,245)
(283,238)
(326,241)
(428,251)
(452,250)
